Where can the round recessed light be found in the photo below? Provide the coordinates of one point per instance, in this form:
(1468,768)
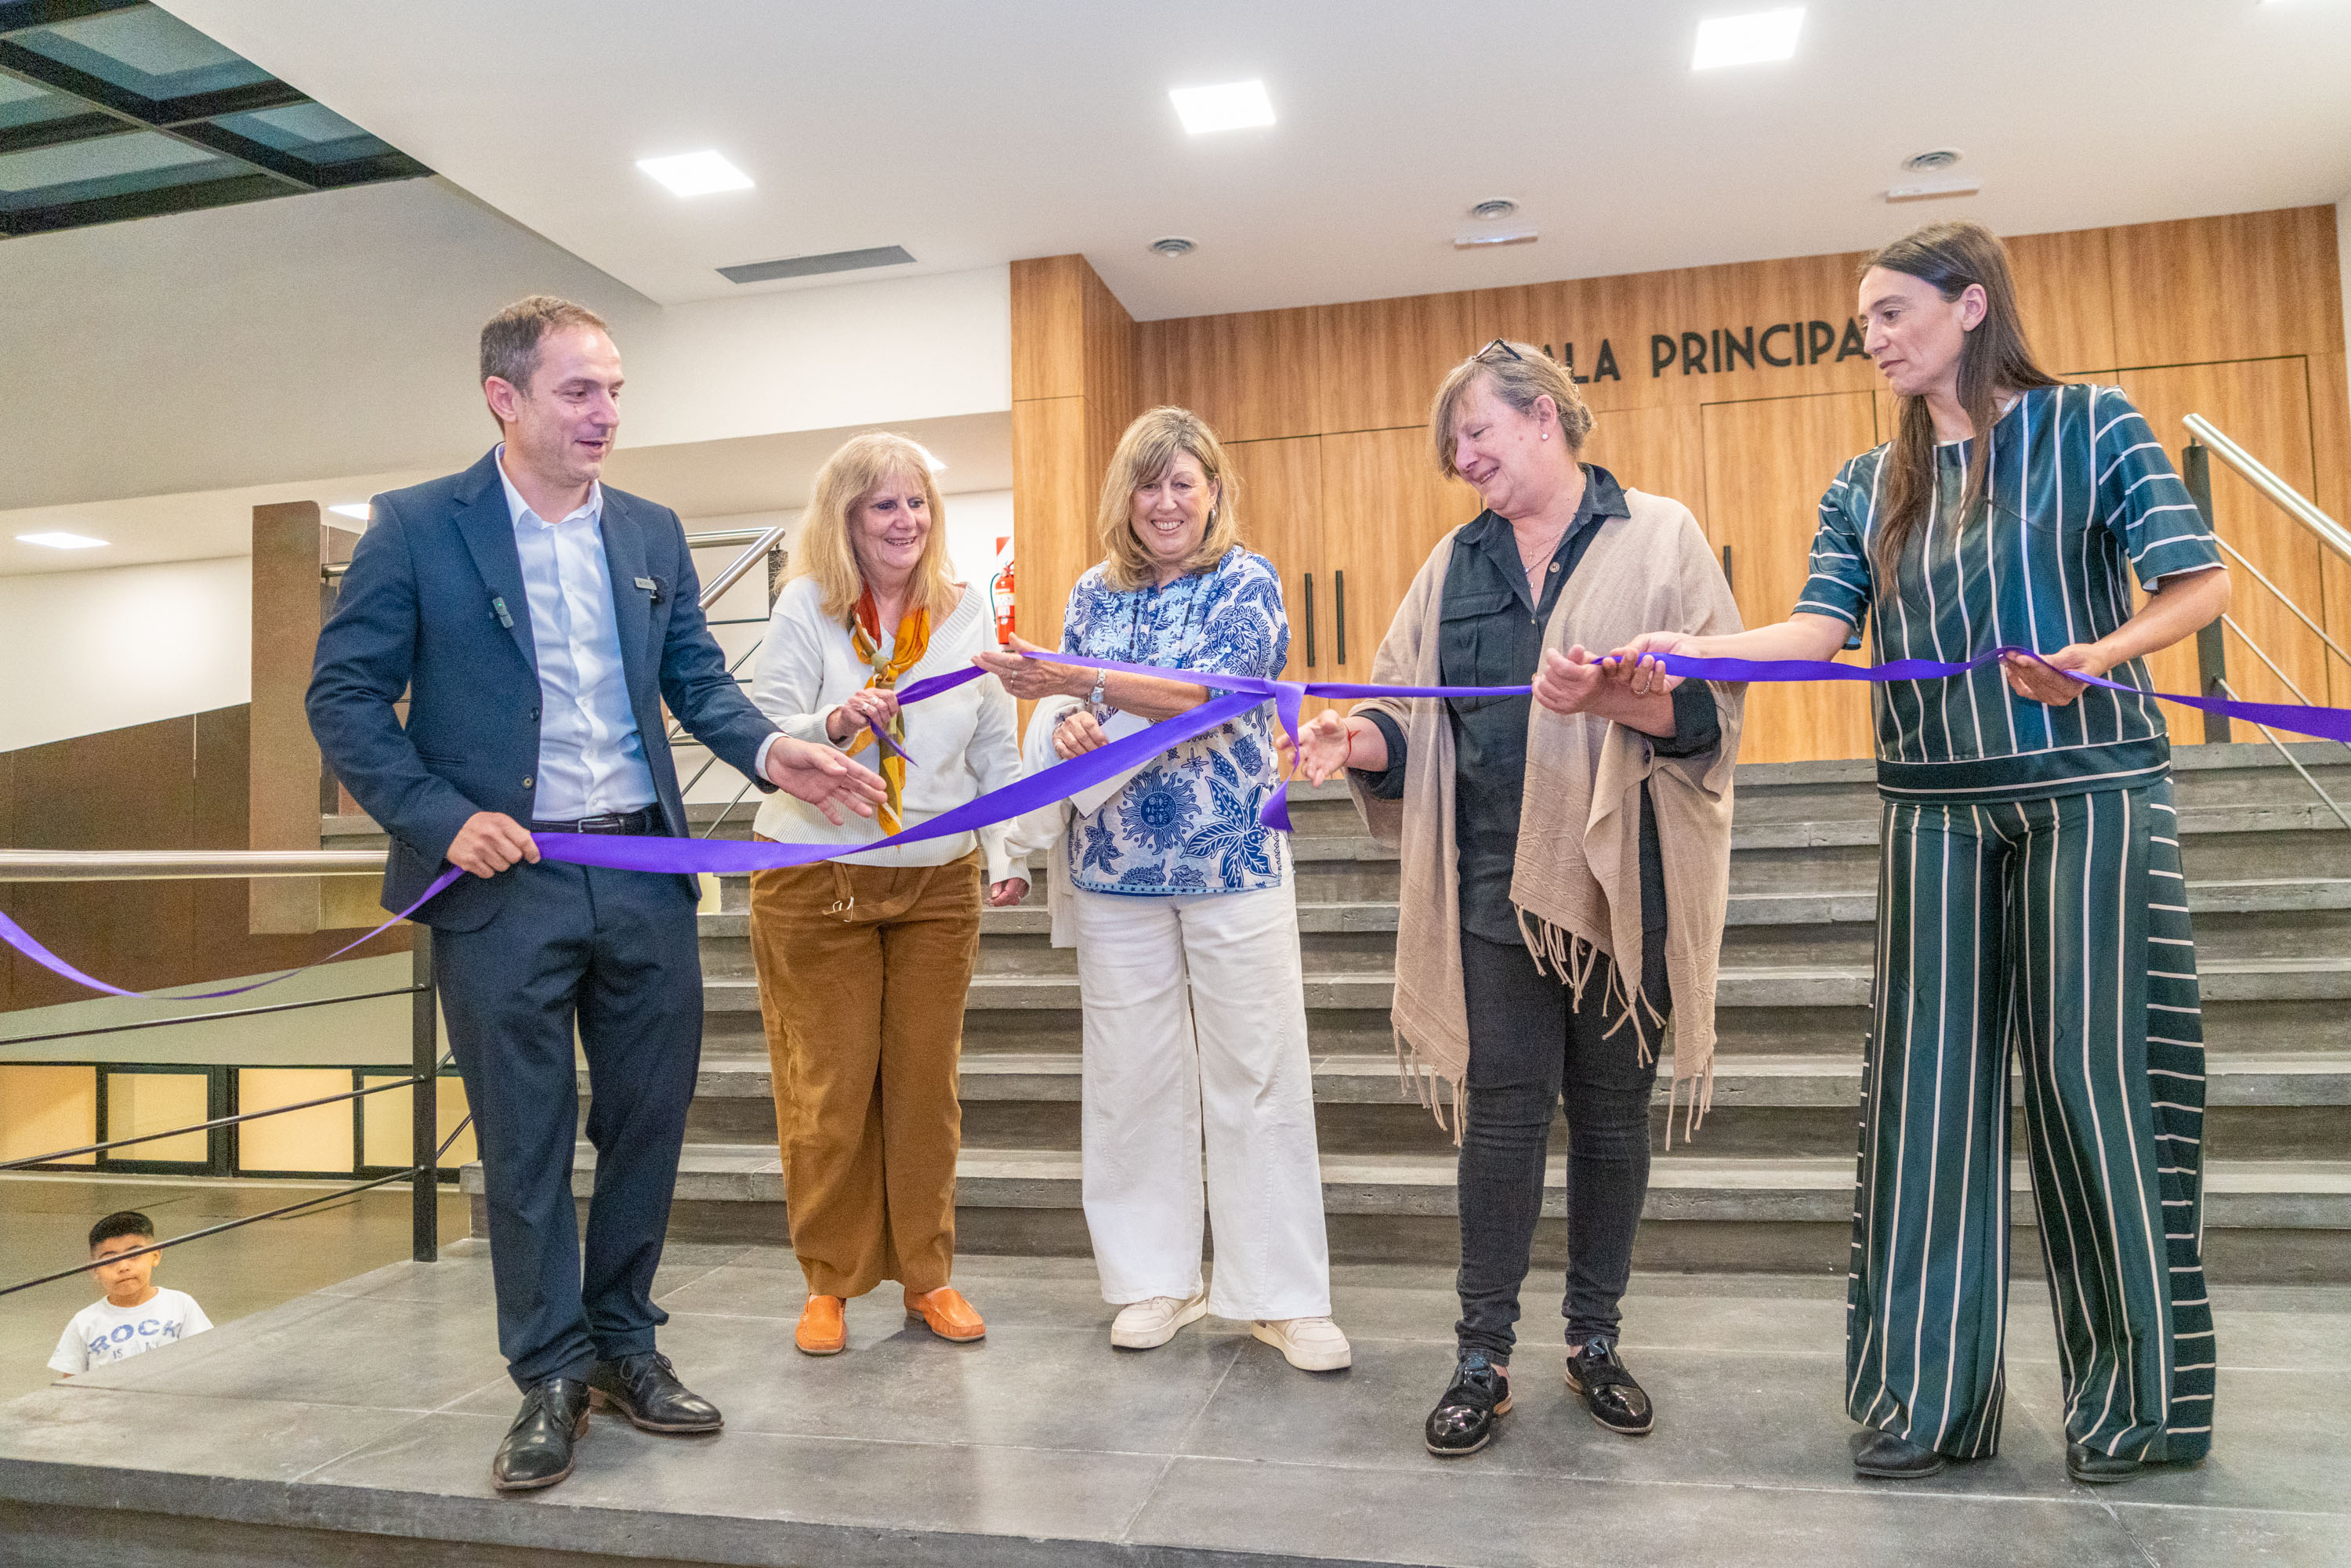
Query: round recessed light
(1937,158)
(1496,207)
(1173,246)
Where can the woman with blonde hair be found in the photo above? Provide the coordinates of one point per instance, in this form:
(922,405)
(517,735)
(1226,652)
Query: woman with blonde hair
(1565,862)
(864,959)
(1185,920)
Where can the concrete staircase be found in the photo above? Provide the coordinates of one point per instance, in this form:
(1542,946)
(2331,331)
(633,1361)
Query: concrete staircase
(1767,1183)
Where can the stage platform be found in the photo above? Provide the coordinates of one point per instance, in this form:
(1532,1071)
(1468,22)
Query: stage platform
(354,1426)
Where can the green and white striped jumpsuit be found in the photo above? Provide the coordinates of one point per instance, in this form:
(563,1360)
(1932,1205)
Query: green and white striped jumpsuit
(2030,897)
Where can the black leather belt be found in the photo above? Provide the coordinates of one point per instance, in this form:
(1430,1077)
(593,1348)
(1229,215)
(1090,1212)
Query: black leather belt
(645,819)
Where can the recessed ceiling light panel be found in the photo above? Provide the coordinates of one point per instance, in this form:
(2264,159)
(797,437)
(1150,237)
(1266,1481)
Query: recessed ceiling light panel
(695,174)
(1747,40)
(352,510)
(1928,190)
(1233,107)
(60,541)
(1480,241)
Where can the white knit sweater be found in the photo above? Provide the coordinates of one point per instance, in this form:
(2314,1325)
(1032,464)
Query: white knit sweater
(962,742)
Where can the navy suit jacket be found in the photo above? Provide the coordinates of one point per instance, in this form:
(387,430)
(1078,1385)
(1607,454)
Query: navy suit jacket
(416,617)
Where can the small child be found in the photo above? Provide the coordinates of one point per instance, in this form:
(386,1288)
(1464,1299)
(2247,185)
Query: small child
(137,1315)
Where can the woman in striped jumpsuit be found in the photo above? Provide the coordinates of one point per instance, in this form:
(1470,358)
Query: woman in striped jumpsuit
(2029,894)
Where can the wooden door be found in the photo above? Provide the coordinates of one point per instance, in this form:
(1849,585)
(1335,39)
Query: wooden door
(1654,449)
(2263,406)
(1385,507)
(1767,462)
(1281,499)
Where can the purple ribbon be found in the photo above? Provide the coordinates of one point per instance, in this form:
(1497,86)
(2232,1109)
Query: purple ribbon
(1241,693)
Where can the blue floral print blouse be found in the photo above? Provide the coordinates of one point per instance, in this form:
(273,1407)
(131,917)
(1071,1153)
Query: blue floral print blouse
(1187,823)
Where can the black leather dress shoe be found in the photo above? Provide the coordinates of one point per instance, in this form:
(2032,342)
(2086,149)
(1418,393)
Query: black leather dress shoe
(645,1389)
(1894,1458)
(1463,1421)
(2094,1469)
(1616,1401)
(537,1447)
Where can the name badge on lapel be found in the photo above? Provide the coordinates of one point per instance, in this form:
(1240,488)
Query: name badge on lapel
(652,586)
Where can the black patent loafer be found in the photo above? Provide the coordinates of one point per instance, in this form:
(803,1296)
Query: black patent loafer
(1463,1421)
(1595,1372)
(1894,1458)
(645,1389)
(537,1447)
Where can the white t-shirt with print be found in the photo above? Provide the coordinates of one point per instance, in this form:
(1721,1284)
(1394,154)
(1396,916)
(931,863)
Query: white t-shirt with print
(103,1334)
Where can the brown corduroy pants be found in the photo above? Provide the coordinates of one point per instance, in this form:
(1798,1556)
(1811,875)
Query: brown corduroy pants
(863,971)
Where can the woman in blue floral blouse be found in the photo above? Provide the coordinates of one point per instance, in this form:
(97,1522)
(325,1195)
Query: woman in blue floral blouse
(1186,923)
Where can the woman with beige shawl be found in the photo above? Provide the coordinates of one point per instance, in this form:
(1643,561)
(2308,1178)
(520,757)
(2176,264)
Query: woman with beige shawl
(1566,863)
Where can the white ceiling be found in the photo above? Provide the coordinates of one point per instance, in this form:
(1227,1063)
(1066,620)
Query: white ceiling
(973,134)
(716,479)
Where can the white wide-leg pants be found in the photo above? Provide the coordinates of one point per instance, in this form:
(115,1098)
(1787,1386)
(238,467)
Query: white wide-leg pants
(1196,1036)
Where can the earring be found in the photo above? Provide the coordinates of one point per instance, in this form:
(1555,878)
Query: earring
(1546,435)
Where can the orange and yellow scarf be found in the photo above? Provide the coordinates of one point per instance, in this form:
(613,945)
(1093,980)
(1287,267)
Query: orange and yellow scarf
(912,640)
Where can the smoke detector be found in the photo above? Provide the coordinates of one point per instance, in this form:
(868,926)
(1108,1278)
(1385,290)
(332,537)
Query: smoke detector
(1173,246)
(1496,207)
(1929,161)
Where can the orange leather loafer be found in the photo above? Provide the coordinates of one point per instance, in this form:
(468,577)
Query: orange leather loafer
(946,1313)
(821,1332)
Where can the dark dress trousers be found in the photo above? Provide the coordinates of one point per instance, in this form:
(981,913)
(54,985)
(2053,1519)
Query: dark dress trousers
(526,957)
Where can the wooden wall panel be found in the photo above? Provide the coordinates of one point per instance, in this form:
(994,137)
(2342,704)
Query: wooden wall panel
(1385,506)
(2064,289)
(2264,405)
(1048,327)
(1759,294)
(1659,450)
(1281,500)
(1382,360)
(128,788)
(2330,422)
(2234,288)
(1254,376)
(1053,516)
(1587,312)
(1767,462)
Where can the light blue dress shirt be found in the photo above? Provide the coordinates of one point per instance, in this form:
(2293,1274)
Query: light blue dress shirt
(592,760)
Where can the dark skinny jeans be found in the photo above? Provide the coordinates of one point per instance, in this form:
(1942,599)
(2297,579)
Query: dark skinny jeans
(1529,1041)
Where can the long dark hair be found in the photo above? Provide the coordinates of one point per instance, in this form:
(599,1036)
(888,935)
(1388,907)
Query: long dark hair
(1994,358)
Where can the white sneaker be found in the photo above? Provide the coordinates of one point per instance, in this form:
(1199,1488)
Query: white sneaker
(1309,1344)
(1146,1325)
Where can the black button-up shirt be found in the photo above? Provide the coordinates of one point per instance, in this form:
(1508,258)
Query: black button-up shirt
(1489,634)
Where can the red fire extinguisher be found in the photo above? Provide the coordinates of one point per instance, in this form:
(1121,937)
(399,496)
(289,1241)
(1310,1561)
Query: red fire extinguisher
(999,592)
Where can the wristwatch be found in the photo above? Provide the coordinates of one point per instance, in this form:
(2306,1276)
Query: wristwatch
(1102,684)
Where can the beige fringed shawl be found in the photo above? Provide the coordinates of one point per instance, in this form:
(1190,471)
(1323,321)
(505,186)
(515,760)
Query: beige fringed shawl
(1577,882)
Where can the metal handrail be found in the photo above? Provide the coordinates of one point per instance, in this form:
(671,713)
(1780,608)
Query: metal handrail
(713,538)
(2283,598)
(180,866)
(2331,534)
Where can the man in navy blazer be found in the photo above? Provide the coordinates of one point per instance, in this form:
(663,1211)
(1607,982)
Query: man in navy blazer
(537,623)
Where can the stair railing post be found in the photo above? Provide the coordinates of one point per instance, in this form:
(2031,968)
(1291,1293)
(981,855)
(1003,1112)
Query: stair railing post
(424,1124)
(2211,648)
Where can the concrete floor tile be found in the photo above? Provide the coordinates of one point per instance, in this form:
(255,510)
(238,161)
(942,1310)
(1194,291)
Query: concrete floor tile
(1468,1513)
(142,1429)
(2278,1442)
(2240,1538)
(1033,1387)
(1723,1418)
(1004,1491)
(363,1351)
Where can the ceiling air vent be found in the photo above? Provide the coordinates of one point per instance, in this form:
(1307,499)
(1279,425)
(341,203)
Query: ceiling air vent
(810,266)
